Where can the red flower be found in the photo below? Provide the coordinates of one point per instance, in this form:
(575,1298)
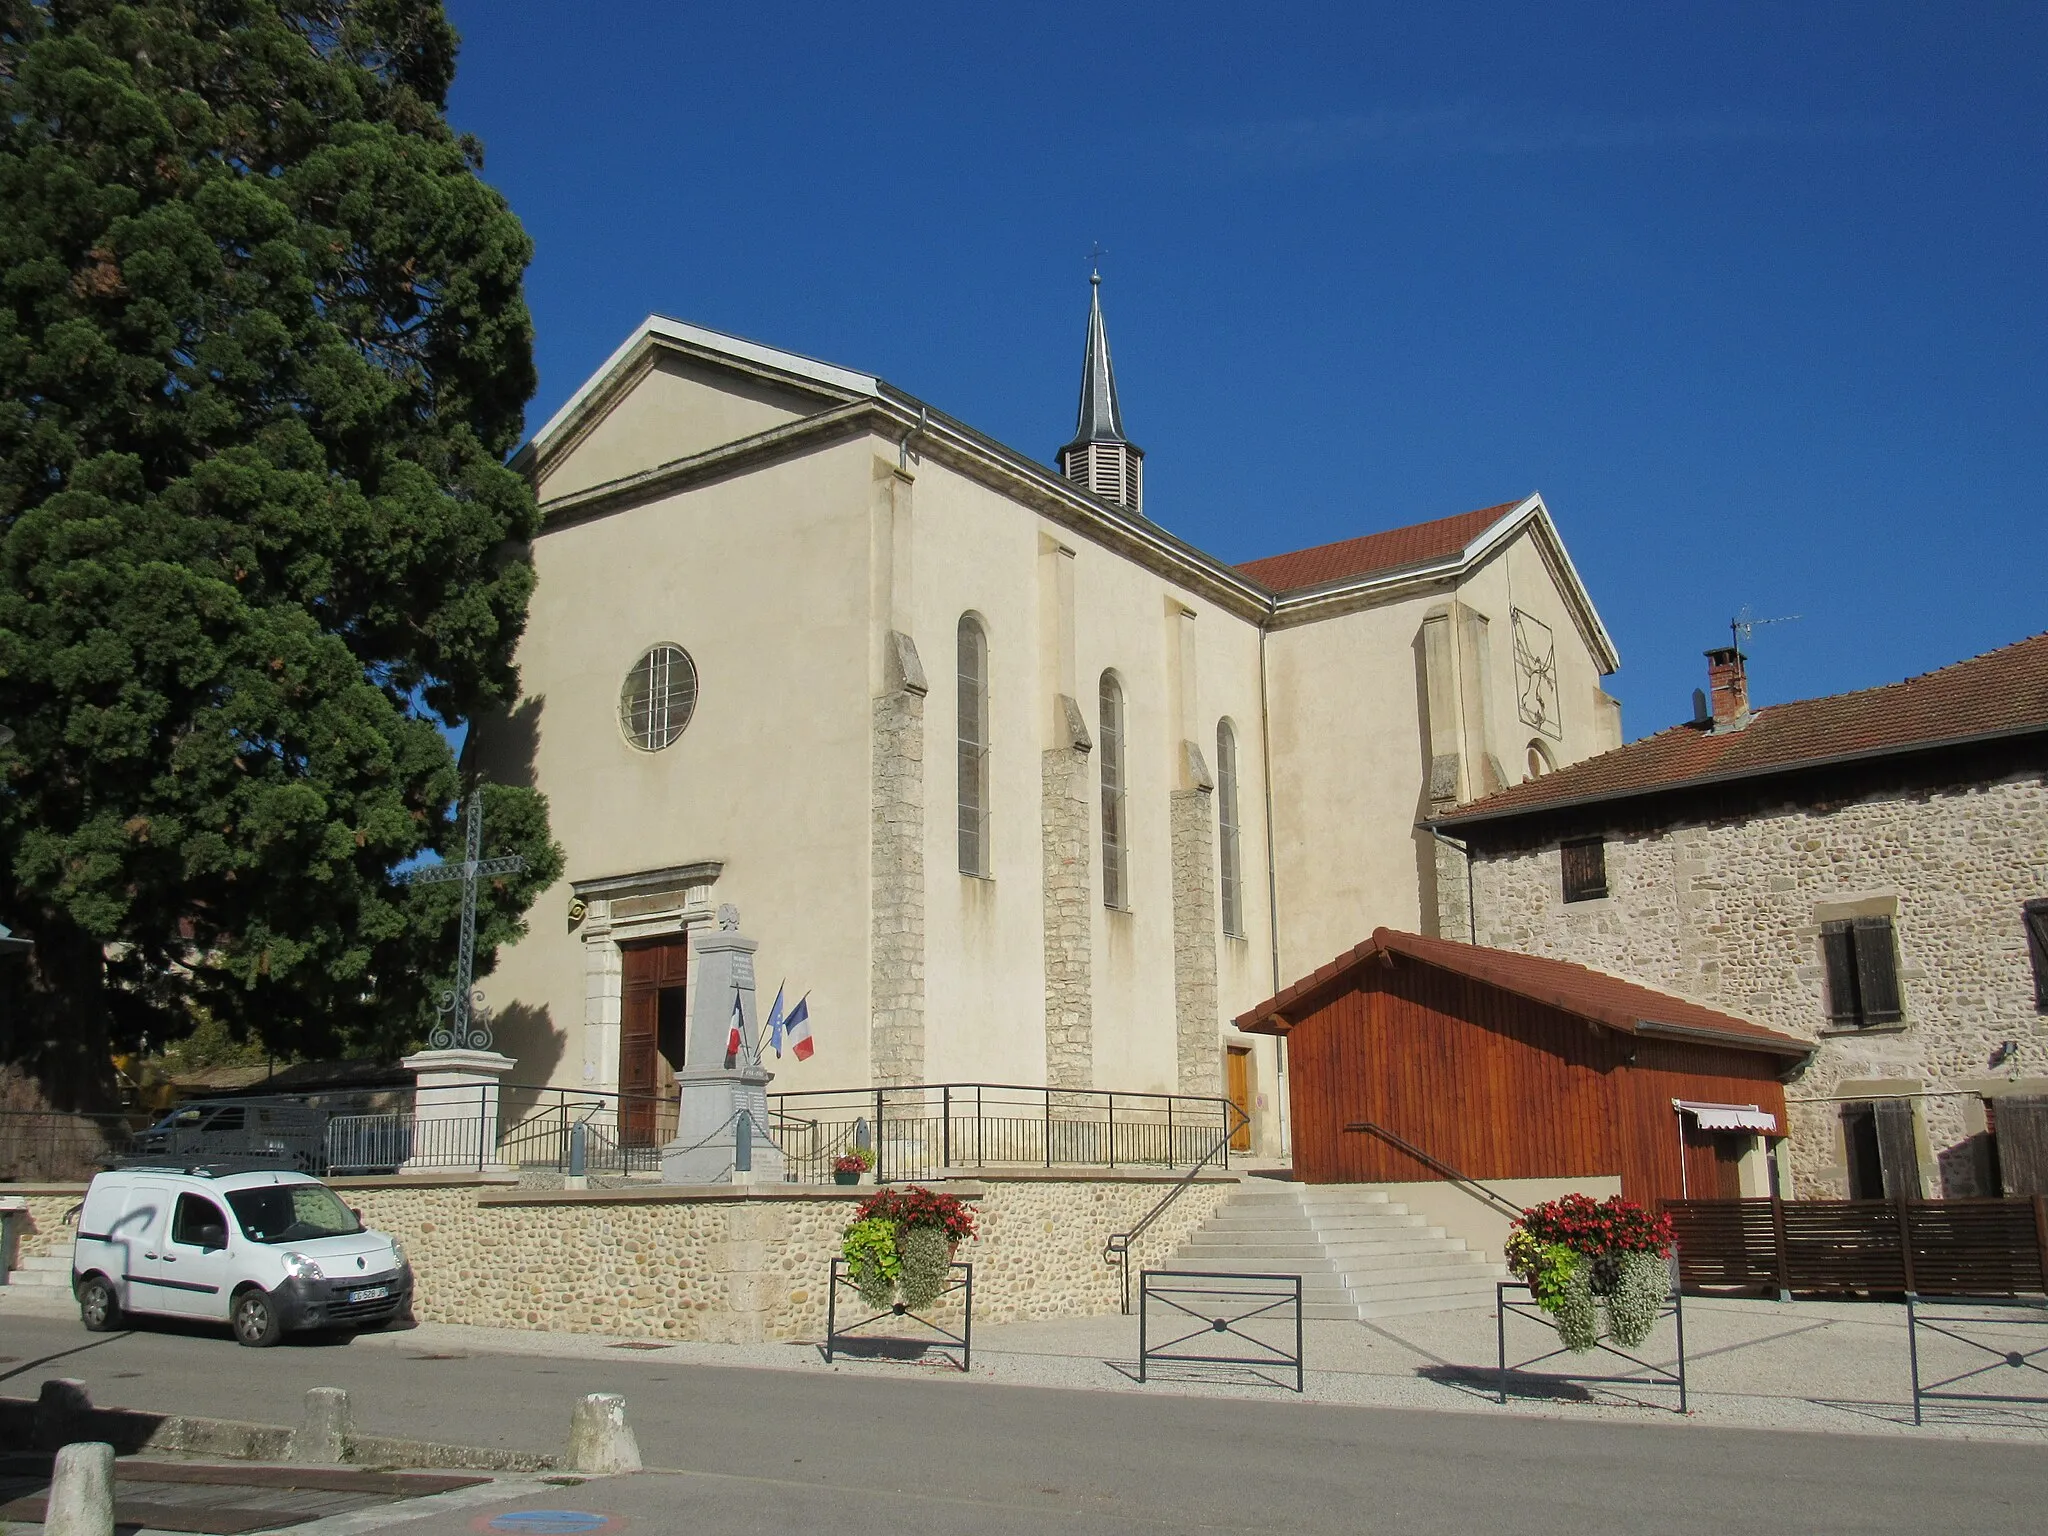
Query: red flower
(1598,1228)
(915,1206)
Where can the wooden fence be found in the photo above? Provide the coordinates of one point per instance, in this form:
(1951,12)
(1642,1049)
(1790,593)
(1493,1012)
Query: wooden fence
(1931,1247)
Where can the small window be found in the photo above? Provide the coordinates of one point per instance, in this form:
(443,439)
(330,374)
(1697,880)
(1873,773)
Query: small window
(1110,749)
(1538,760)
(1862,960)
(659,696)
(1227,843)
(2036,914)
(199,1223)
(1585,868)
(972,735)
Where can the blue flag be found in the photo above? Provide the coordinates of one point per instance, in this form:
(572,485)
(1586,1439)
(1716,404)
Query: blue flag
(775,1023)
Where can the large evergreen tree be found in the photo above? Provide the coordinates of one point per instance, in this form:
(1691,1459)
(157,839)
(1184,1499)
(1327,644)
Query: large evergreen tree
(263,352)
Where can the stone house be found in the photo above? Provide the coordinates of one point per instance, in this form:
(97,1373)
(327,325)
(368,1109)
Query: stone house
(1867,870)
(1016,785)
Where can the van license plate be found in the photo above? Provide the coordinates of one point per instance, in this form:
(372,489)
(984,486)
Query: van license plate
(374,1293)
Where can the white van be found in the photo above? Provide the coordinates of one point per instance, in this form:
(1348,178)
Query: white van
(266,1253)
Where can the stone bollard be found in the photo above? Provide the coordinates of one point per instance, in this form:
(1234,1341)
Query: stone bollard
(600,1439)
(62,1409)
(327,1433)
(82,1491)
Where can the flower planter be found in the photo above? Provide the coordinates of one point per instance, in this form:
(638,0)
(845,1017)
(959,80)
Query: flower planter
(845,1178)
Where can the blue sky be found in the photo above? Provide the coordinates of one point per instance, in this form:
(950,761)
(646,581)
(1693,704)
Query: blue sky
(1752,294)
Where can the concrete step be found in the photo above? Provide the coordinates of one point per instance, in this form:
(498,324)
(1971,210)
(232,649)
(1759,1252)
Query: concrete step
(1306,1260)
(1428,1272)
(1369,1310)
(1480,1285)
(45,1271)
(1420,1257)
(1380,1219)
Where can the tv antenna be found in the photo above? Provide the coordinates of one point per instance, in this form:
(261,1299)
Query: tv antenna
(1745,623)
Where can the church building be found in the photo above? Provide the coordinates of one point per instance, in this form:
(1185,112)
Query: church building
(1014,784)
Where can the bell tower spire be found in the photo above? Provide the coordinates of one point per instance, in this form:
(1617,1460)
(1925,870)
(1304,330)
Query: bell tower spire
(1100,459)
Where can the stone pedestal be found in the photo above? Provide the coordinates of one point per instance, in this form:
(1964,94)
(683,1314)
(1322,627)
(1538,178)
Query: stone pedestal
(715,1087)
(455,1110)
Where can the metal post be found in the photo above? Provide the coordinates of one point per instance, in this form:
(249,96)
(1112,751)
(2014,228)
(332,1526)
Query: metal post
(1172,1151)
(482,1103)
(1500,1336)
(967,1332)
(946,1125)
(1142,1309)
(881,1141)
(1048,1127)
(1913,1349)
(1300,1356)
(831,1310)
(1678,1312)
(743,1142)
(1112,1130)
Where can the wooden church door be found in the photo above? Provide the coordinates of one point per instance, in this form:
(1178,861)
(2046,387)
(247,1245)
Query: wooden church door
(653,1024)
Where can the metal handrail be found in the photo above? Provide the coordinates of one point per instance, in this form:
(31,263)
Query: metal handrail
(1116,1248)
(1500,1201)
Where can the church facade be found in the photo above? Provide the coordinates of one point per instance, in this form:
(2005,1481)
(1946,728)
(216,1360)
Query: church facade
(1013,784)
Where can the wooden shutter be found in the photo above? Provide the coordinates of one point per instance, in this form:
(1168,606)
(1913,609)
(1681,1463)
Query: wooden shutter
(1838,953)
(1585,869)
(1877,971)
(2036,915)
(1897,1151)
(2021,1125)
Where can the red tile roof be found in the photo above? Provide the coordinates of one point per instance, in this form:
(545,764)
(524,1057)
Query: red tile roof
(1620,1005)
(1375,552)
(2004,692)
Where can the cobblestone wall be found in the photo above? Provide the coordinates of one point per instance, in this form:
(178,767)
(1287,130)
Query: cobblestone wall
(46,1231)
(729,1270)
(1729,913)
(1198,1024)
(1069,908)
(896,852)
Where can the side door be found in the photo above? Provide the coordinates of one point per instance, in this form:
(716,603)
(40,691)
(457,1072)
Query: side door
(194,1259)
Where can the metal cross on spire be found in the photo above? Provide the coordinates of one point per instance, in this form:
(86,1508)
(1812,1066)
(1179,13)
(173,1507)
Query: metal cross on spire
(464,1026)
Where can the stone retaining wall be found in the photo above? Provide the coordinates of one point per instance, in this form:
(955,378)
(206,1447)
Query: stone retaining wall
(726,1265)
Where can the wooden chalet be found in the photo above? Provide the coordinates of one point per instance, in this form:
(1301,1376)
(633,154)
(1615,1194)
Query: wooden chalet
(1506,1066)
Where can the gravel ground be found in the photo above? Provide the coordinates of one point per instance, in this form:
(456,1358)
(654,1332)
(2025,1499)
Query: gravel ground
(1820,1366)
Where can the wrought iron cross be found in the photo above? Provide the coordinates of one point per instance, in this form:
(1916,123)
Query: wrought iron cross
(463,1025)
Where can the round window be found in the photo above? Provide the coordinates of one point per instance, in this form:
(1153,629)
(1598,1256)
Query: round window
(660,693)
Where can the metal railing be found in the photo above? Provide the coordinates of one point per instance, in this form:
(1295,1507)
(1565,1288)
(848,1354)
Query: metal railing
(1116,1248)
(1499,1201)
(920,1132)
(914,1133)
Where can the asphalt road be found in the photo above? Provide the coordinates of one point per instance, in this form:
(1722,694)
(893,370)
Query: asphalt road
(774,1450)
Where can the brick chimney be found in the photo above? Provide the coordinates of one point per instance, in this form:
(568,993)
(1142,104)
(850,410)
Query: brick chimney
(1728,688)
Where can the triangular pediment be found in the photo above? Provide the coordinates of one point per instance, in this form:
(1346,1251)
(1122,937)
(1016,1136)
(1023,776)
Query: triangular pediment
(674,391)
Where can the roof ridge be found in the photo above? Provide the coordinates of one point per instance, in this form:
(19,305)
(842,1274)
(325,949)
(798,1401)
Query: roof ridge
(1899,682)
(1503,508)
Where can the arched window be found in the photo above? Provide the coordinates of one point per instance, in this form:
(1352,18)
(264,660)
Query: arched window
(1539,760)
(973,753)
(1110,749)
(1227,849)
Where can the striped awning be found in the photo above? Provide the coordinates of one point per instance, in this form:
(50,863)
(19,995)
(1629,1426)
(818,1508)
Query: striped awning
(1728,1117)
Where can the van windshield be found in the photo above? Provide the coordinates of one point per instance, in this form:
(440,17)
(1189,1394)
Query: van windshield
(292,1213)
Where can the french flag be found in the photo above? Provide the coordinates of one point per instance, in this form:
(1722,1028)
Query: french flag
(797,1027)
(732,1041)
